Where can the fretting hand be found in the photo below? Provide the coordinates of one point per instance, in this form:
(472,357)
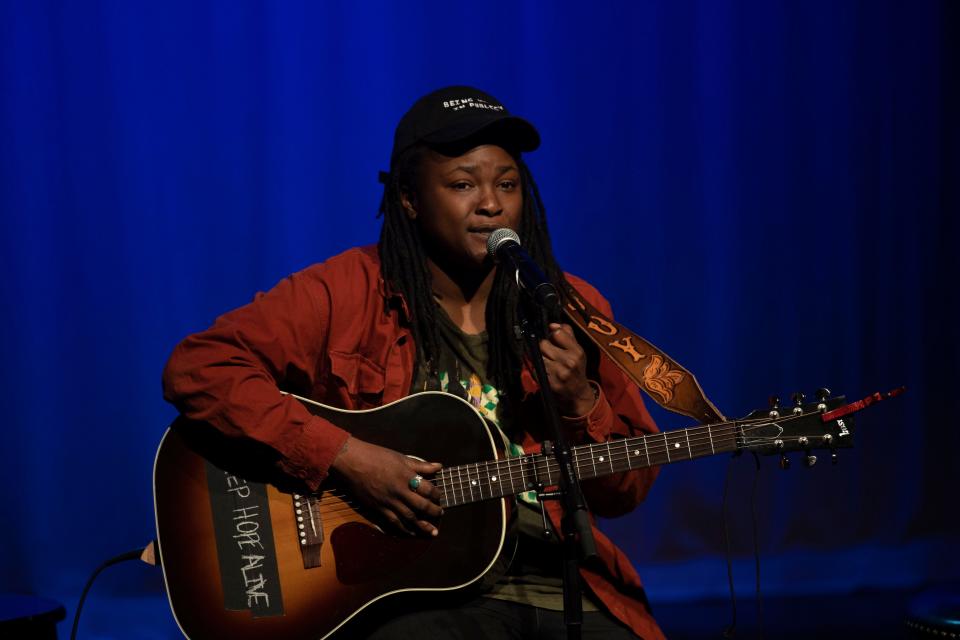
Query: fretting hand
(391,484)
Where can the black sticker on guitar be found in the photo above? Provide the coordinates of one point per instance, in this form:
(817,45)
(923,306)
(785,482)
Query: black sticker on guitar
(245,549)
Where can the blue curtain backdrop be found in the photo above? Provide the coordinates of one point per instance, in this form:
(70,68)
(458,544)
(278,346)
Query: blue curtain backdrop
(766,190)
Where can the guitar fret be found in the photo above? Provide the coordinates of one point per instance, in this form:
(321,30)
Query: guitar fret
(449,489)
(471,483)
(442,485)
(488,480)
(478,482)
(549,473)
(453,488)
(460,482)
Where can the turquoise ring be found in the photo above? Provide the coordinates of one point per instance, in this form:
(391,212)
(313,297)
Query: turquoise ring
(415,482)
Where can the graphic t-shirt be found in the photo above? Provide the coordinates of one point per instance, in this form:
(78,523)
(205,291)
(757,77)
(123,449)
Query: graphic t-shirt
(532,575)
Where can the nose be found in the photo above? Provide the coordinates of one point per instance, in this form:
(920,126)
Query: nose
(489,202)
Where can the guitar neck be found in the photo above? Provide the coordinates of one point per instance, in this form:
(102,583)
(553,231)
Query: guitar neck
(509,476)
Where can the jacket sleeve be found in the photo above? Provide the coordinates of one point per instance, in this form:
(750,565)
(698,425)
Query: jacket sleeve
(618,413)
(230,375)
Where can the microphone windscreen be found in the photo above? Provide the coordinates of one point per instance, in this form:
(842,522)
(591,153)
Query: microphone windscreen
(498,237)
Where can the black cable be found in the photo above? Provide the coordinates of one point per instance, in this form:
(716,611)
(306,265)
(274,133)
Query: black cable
(123,557)
(756,544)
(731,629)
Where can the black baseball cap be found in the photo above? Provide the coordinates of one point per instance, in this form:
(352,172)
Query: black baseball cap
(461,114)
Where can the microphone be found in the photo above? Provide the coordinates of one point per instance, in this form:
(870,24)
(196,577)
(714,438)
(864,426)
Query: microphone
(503,245)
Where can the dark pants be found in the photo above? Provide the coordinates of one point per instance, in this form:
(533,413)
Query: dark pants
(481,618)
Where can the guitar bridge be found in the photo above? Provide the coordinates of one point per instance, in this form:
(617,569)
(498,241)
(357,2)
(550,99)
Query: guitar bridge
(306,512)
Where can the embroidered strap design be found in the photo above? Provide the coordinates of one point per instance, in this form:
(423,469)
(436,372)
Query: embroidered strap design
(662,378)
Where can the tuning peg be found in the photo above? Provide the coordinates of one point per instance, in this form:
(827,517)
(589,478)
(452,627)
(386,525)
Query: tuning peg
(822,395)
(833,457)
(798,398)
(810,460)
(784,462)
(774,402)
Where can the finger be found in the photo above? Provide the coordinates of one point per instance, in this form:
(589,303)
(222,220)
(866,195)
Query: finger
(429,491)
(558,359)
(394,520)
(412,522)
(424,468)
(550,350)
(562,335)
(427,507)
(432,492)
(407,517)
(427,468)
(564,353)
(427,528)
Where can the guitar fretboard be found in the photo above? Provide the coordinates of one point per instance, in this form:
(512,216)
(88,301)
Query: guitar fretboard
(509,476)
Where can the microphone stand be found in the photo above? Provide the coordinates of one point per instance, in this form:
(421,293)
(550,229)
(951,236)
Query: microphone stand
(578,542)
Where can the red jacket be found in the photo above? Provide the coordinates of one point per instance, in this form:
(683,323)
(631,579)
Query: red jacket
(334,333)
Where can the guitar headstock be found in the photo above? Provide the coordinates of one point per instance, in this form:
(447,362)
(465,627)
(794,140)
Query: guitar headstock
(779,430)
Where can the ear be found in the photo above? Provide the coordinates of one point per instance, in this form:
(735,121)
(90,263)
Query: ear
(408,200)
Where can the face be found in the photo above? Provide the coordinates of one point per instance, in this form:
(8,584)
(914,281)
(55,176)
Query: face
(460,200)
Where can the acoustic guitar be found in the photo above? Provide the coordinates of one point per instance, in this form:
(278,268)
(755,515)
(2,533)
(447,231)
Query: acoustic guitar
(249,554)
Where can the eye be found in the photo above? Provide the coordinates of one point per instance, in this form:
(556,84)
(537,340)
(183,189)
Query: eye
(508,185)
(460,185)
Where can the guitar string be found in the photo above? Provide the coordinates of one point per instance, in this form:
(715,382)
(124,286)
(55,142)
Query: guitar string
(349,506)
(583,454)
(542,466)
(537,462)
(536,465)
(481,480)
(715,433)
(718,434)
(546,468)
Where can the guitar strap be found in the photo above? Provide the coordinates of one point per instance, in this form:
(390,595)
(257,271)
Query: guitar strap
(660,376)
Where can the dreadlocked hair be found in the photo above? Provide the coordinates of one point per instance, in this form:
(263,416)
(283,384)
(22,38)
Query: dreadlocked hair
(403,263)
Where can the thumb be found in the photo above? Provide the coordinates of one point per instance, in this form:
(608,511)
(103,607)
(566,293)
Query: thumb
(426,467)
